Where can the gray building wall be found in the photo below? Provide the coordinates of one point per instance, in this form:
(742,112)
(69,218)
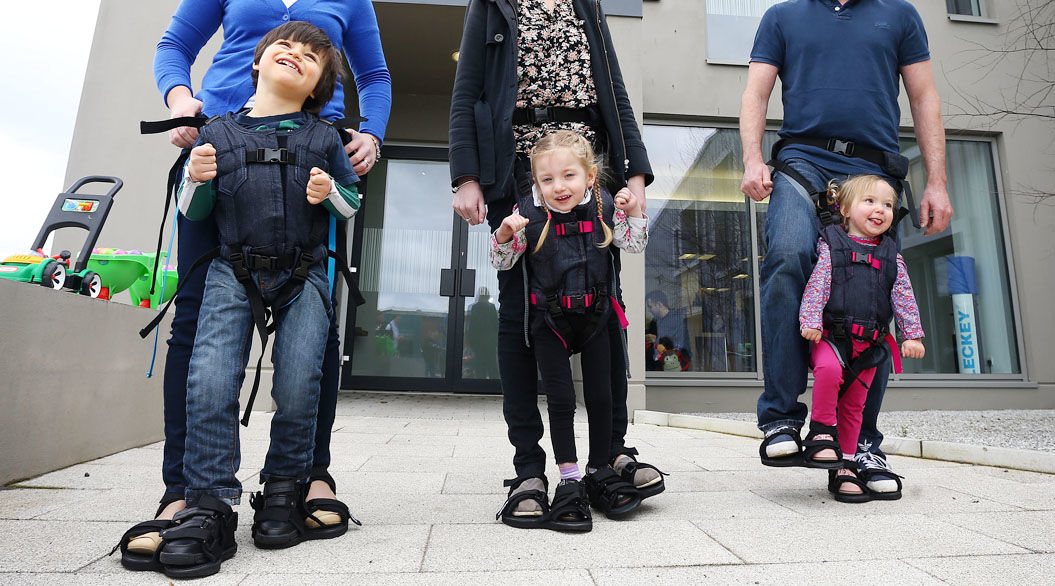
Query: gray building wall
(662,55)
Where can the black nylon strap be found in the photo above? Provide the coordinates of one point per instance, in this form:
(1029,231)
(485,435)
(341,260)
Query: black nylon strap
(208,256)
(538,116)
(159,126)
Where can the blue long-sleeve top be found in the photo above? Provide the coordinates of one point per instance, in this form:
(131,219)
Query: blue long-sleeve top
(227,85)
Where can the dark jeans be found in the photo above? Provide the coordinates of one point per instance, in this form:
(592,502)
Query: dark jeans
(516,362)
(791,233)
(195,239)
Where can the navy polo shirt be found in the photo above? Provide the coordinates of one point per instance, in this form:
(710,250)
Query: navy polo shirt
(839,65)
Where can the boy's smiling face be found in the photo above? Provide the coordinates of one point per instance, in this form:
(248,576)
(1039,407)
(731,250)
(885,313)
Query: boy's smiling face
(290,66)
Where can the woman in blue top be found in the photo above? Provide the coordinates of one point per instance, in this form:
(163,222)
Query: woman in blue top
(227,86)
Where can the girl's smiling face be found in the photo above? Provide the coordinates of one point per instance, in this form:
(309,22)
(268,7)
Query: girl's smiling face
(872,212)
(562,179)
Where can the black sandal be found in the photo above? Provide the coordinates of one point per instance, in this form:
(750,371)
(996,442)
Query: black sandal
(611,494)
(508,513)
(326,530)
(201,538)
(813,446)
(630,469)
(836,482)
(144,562)
(279,519)
(570,510)
(781,461)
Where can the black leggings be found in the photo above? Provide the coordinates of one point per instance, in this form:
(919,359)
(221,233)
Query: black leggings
(555,367)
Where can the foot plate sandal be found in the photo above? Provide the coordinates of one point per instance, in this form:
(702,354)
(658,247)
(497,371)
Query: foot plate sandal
(278,522)
(139,560)
(201,538)
(794,459)
(813,446)
(570,510)
(319,522)
(873,467)
(630,469)
(509,515)
(836,482)
(610,494)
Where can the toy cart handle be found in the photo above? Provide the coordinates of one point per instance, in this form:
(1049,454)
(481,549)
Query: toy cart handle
(118,184)
(92,221)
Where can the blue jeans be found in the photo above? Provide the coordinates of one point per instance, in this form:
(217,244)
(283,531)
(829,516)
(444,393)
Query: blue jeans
(197,238)
(217,369)
(791,233)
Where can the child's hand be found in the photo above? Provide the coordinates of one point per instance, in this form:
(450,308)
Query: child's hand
(912,349)
(202,165)
(628,202)
(510,226)
(318,186)
(811,334)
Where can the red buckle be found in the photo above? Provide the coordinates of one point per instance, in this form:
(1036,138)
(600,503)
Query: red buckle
(585,227)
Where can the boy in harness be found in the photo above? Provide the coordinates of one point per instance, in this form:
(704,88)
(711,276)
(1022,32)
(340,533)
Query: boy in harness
(859,282)
(270,176)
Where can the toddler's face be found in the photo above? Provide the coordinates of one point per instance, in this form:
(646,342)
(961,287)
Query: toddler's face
(291,65)
(872,213)
(562,179)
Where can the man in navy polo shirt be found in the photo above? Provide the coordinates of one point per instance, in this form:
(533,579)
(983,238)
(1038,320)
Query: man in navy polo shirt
(839,63)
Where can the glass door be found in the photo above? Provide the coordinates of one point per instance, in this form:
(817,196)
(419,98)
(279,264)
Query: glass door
(429,322)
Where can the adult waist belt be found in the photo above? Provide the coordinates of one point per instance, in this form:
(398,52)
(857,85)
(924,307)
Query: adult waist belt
(538,116)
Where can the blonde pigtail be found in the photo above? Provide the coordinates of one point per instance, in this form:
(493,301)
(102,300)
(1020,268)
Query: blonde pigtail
(545,231)
(604,225)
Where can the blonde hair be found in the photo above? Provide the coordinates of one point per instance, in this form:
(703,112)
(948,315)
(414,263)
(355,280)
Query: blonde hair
(847,193)
(583,152)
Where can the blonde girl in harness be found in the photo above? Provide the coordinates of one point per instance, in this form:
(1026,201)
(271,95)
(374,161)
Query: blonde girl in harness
(568,222)
(858,283)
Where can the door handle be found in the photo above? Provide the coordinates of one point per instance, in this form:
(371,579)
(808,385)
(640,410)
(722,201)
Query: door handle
(448,282)
(467,286)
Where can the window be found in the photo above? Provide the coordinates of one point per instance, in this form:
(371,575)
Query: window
(960,276)
(965,7)
(731,27)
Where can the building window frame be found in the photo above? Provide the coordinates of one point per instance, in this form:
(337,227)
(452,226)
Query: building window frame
(980,12)
(736,379)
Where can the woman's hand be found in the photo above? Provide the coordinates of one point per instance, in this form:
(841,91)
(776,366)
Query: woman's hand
(202,164)
(510,226)
(912,349)
(362,152)
(318,186)
(182,103)
(469,203)
(811,334)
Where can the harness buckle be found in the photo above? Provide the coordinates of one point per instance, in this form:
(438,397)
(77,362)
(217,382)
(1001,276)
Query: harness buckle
(268,155)
(539,115)
(241,271)
(841,147)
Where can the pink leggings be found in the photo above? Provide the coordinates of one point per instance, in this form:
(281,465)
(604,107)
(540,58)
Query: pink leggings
(828,408)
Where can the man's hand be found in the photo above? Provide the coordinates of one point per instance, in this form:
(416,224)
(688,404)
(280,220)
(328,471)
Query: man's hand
(912,349)
(757,183)
(469,203)
(935,210)
(510,226)
(319,186)
(811,334)
(202,165)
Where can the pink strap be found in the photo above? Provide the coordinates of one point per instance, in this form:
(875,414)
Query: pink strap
(895,353)
(619,312)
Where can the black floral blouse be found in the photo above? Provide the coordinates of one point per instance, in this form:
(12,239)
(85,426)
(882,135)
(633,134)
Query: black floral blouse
(553,67)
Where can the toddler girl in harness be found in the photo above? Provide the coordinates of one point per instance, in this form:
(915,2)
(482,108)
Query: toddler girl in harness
(270,177)
(859,282)
(568,222)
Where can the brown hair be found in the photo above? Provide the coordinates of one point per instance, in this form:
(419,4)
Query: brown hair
(581,149)
(845,194)
(312,36)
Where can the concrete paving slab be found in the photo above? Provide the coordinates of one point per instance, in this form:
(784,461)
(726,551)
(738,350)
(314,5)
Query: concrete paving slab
(55,546)
(900,536)
(98,476)
(804,574)
(27,503)
(1033,530)
(640,542)
(922,499)
(995,569)
(517,578)
(119,577)
(470,483)
(370,483)
(428,509)
(358,438)
(126,505)
(728,504)
(145,456)
(976,482)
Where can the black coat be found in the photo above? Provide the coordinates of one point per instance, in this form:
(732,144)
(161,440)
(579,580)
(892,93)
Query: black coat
(485,90)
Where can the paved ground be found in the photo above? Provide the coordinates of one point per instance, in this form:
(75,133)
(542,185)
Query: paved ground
(423,474)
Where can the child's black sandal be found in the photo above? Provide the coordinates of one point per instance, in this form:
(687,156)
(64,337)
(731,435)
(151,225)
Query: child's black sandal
(508,512)
(630,470)
(200,539)
(570,510)
(278,522)
(312,507)
(611,494)
(836,482)
(813,446)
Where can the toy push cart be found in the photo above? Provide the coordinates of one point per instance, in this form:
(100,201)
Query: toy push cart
(71,210)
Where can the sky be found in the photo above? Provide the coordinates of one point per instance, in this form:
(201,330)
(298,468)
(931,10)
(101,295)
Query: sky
(39,98)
